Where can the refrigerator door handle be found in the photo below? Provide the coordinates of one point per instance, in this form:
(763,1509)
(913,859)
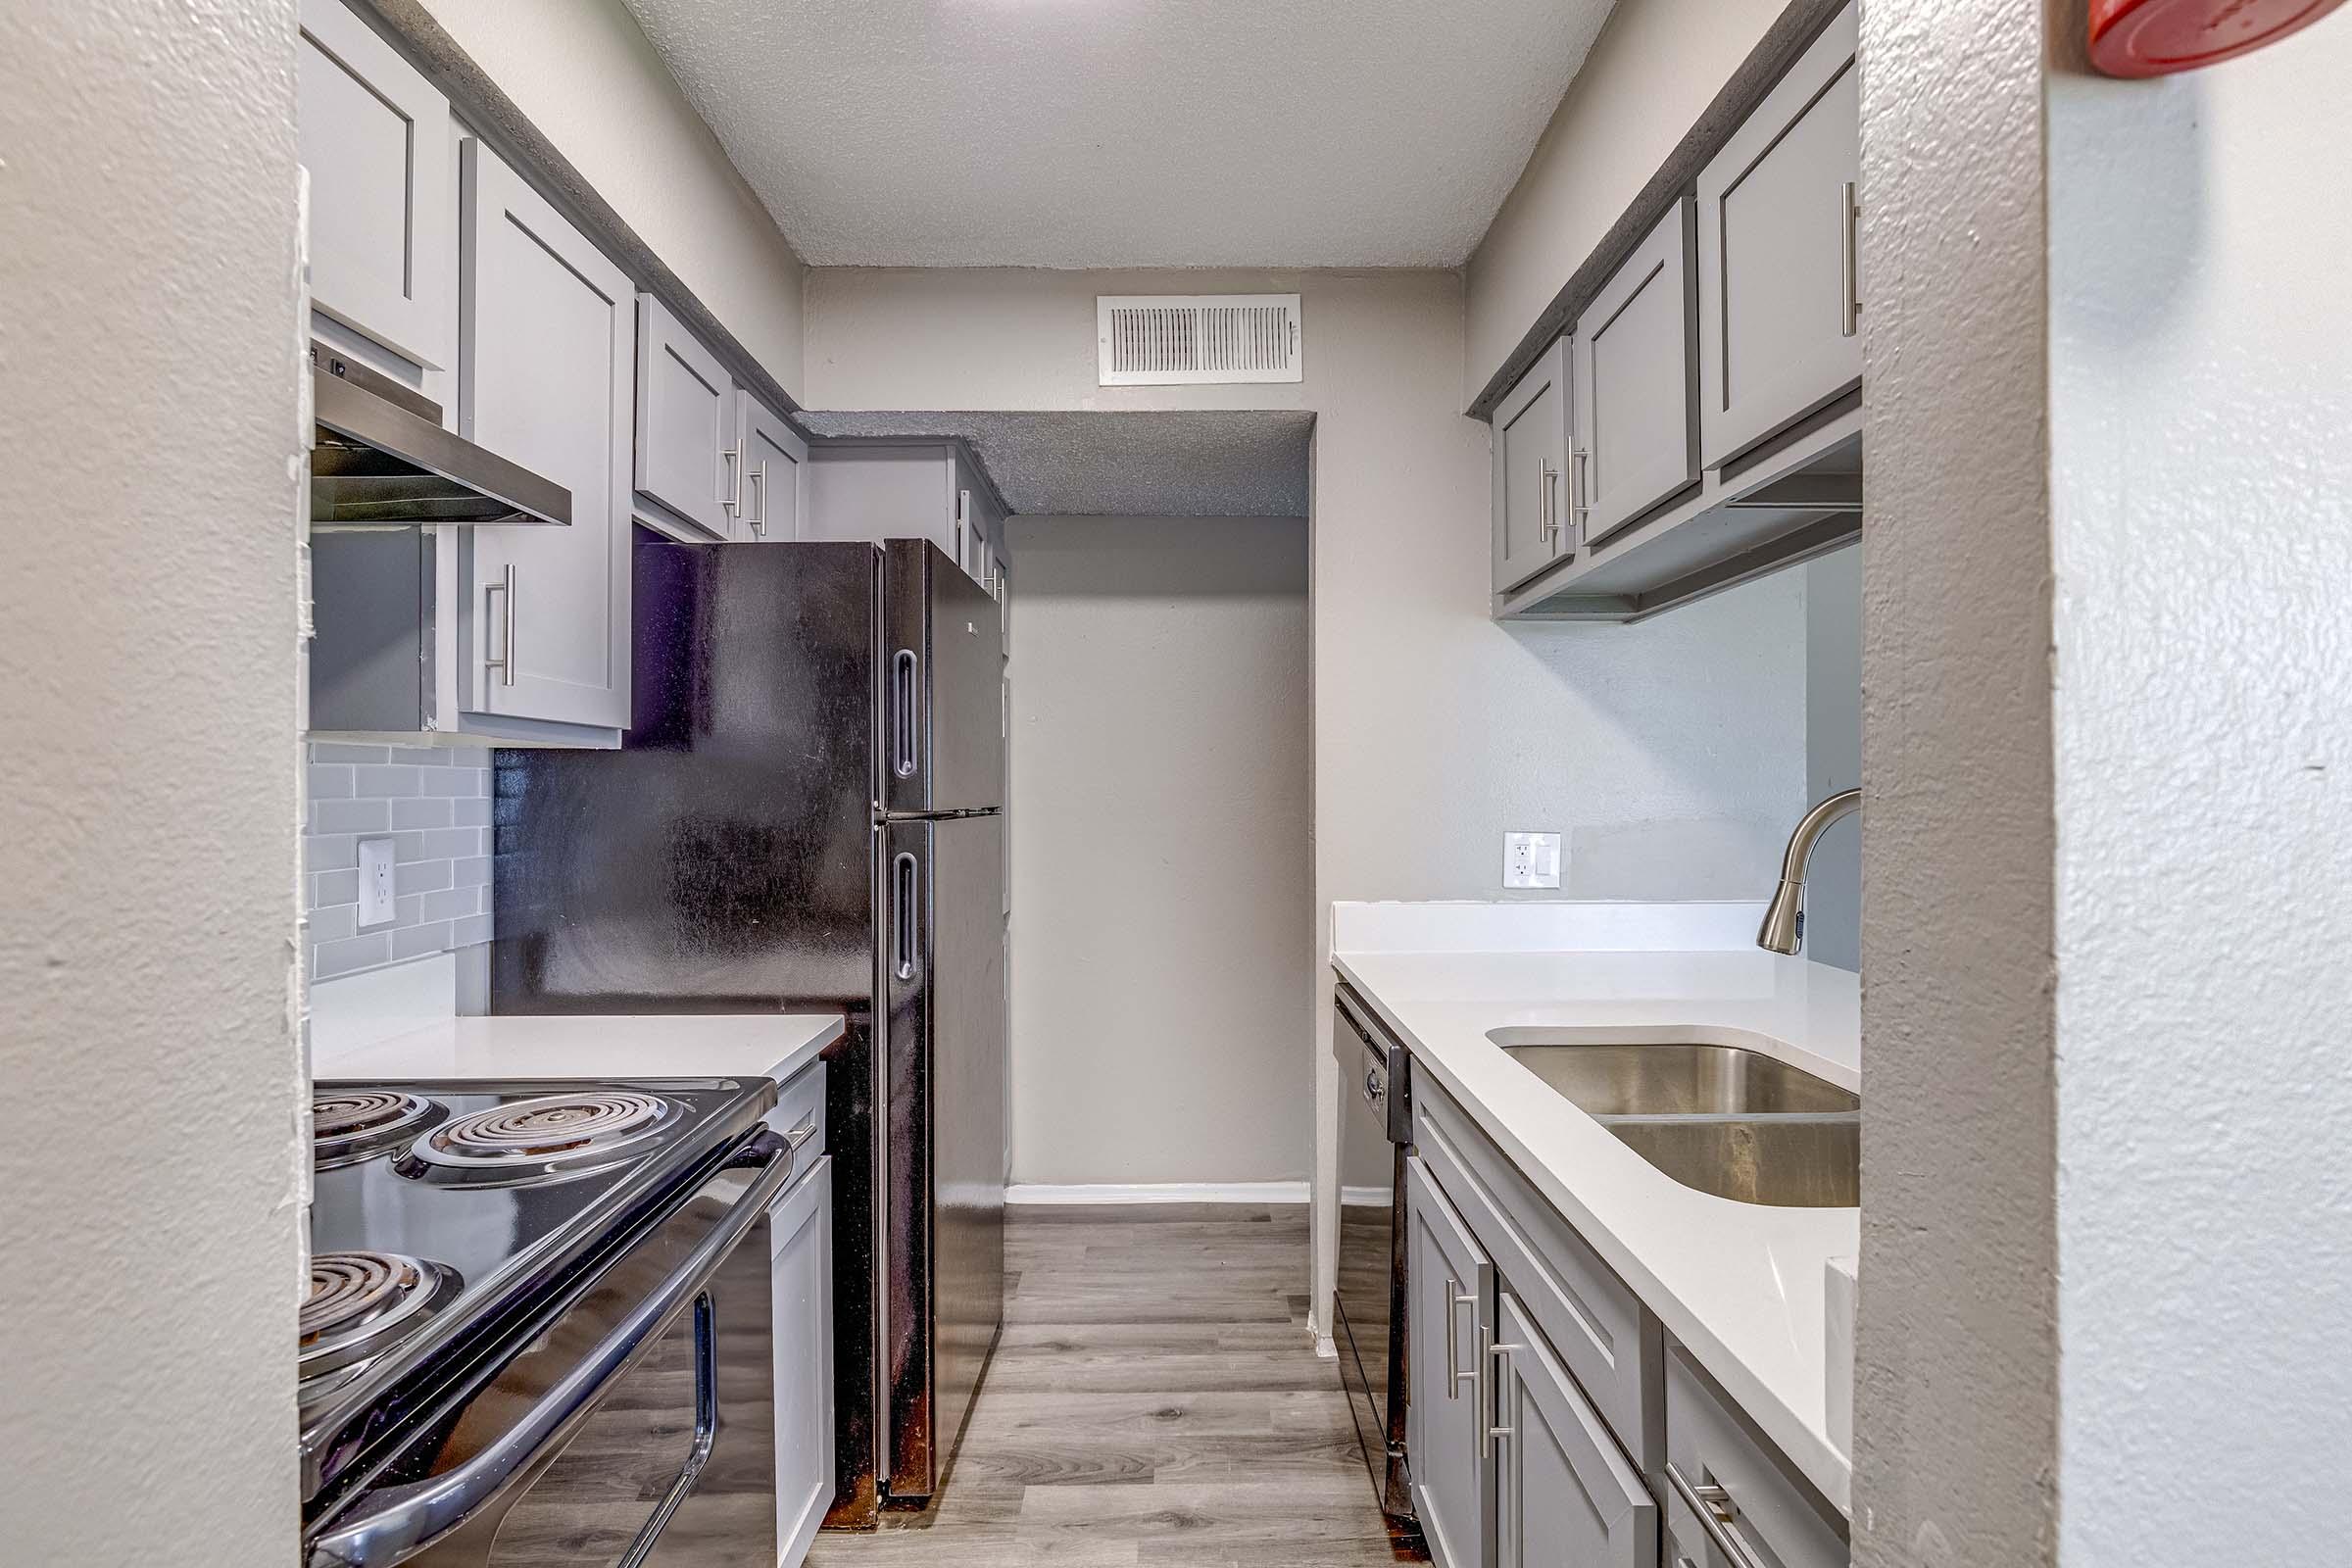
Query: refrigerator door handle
(902,714)
(902,915)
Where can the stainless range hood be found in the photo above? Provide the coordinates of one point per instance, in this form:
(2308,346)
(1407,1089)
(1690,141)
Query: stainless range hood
(381,460)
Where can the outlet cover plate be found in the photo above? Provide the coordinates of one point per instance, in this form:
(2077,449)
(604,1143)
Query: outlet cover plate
(1531,859)
(376,883)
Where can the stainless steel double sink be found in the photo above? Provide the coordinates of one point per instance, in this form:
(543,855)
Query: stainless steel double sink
(1719,1118)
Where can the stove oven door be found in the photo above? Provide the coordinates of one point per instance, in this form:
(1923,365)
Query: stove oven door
(637,1429)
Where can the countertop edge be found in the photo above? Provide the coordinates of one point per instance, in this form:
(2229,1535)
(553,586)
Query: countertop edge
(1812,1452)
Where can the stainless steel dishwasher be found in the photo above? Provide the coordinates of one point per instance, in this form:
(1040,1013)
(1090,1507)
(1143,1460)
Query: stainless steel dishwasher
(1377,1127)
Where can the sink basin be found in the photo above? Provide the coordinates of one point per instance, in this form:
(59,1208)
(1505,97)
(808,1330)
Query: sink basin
(1721,1119)
(1787,1163)
(1603,1079)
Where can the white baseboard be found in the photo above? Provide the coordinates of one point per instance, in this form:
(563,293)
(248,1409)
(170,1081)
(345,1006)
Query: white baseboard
(1180,1193)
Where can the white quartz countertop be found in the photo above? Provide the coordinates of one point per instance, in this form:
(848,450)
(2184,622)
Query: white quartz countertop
(1740,1285)
(767,1044)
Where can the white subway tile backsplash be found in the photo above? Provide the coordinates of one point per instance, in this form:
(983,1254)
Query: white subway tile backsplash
(387,781)
(421,813)
(351,816)
(328,958)
(435,804)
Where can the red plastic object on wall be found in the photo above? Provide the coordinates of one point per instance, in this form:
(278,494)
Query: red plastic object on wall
(2156,37)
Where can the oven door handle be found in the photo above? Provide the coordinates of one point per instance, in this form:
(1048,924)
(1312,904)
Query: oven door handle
(411,1518)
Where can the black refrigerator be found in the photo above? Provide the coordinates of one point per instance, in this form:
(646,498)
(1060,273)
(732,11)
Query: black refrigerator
(808,813)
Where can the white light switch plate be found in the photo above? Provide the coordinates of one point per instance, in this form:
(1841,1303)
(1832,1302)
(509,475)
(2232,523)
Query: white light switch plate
(377,903)
(1531,859)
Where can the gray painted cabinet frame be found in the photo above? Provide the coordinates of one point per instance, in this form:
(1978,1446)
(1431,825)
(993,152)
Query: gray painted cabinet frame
(1531,442)
(1563,1494)
(1778,299)
(1635,384)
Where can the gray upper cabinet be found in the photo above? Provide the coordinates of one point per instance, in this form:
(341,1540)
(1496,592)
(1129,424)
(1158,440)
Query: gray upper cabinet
(862,489)
(775,472)
(1778,299)
(1450,1285)
(1635,382)
(686,448)
(1564,1496)
(1531,461)
(375,137)
(549,336)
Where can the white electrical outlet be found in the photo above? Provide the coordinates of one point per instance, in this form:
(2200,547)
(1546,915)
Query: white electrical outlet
(376,882)
(1531,859)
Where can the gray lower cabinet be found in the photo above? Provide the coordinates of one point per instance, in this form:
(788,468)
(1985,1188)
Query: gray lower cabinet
(1531,464)
(545,371)
(1634,385)
(1746,1505)
(1451,1283)
(687,465)
(1778,297)
(1564,1496)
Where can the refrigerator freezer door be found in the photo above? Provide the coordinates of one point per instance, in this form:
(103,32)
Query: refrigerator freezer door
(943,967)
(944,713)
(726,854)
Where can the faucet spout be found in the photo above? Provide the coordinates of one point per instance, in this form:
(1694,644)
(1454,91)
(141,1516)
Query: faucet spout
(1783,927)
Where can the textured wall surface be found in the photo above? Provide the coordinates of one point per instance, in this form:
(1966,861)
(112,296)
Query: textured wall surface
(2202,492)
(434,804)
(1142,134)
(583,72)
(1955,1407)
(1161,868)
(151,1254)
(1671,753)
(1651,73)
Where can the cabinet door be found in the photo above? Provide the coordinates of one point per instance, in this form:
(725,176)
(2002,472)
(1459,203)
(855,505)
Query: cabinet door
(374,135)
(1779,313)
(799,1229)
(1736,1488)
(1531,456)
(1564,1496)
(775,472)
(1450,1287)
(685,439)
(1635,375)
(548,335)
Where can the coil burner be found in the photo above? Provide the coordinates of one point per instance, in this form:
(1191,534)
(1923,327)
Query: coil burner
(549,1139)
(362,1303)
(352,1125)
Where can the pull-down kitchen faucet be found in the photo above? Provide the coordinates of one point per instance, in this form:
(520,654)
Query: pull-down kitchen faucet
(1783,927)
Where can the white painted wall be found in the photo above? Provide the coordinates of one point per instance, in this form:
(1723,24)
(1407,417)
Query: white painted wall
(2201,497)
(1654,67)
(584,73)
(1671,753)
(151,1251)
(1163,878)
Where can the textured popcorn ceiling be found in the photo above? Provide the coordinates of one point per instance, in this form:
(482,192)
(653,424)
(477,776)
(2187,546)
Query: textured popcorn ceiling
(1079,133)
(1139,464)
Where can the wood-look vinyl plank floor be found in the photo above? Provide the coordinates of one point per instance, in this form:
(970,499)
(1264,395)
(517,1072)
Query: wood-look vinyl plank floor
(1155,1403)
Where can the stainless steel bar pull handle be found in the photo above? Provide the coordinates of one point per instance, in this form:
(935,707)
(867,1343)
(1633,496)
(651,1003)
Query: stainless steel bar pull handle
(1500,1428)
(1717,1515)
(732,459)
(758,477)
(1548,526)
(1580,490)
(1849,242)
(1455,1377)
(504,663)
(903,890)
(902,714)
